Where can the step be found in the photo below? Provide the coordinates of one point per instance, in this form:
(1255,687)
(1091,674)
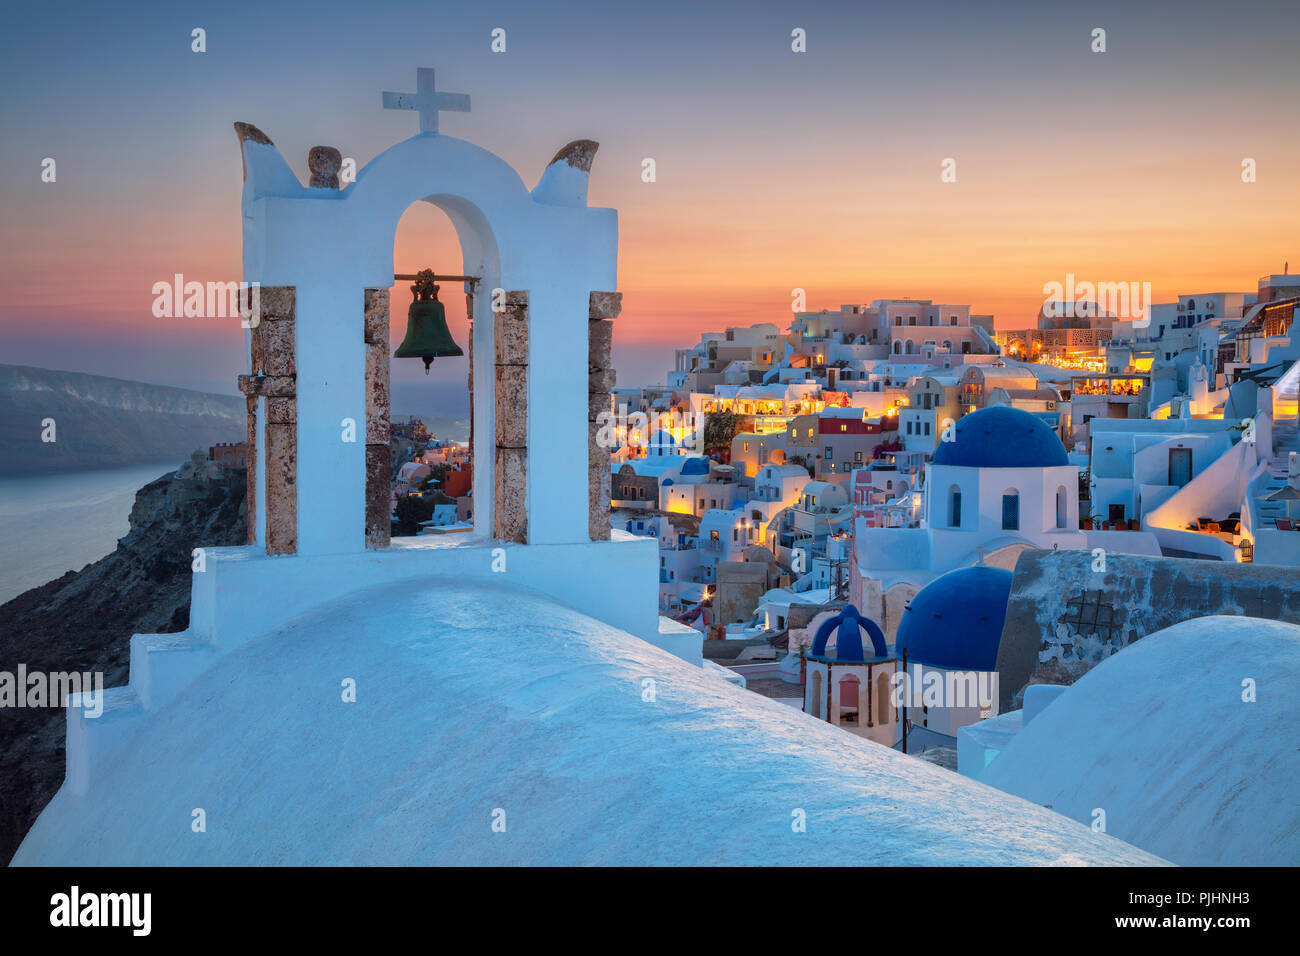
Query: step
(162,665)
(95,737)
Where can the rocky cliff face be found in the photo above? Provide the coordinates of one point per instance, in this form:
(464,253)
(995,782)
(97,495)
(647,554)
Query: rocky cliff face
(104,422)
(84,620)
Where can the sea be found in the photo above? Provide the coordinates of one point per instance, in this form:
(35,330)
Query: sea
(50,524)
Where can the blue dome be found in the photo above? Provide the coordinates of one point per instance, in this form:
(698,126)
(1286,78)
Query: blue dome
(848,626)
(1002,437)
(956,620)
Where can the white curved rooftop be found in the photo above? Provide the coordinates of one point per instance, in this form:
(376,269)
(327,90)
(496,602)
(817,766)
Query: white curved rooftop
(474,698)
(1159,737)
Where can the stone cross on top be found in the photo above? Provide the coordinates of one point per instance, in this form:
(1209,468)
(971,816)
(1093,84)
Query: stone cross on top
(426,100)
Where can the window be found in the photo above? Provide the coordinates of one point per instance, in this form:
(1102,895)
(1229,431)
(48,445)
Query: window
(810,433)
(952,320)
(713,537)
(857,456)
(909,428)
(844,428)
(1060,506)
(746,446)
(954,507)
(1011,511)
(927,428)
(829,453)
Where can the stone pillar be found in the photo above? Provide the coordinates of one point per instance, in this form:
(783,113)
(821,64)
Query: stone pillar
(510,476)
(251,474)
(602,306)
(273,341)
(379,464)
(469,374)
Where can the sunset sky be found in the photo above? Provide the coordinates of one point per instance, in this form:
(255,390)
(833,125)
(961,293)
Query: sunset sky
(775,170)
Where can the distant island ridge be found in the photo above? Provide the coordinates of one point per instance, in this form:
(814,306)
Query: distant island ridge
(103,422)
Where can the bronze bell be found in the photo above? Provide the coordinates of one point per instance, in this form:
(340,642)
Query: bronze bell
(427,335)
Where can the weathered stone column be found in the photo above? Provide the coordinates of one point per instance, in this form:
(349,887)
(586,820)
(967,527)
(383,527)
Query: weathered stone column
(510,476)
(251,473)
(469,375)
(379,465)
(602,306)
(275,373)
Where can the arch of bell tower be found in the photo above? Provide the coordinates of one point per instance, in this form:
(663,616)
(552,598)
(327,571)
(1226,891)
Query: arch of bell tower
(539,356)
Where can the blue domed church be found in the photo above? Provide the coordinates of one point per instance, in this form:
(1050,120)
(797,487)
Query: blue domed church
(850,684)
(999,483)
(950,634)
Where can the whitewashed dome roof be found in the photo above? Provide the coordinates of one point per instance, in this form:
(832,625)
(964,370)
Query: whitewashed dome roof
(1160,738)
(473,699)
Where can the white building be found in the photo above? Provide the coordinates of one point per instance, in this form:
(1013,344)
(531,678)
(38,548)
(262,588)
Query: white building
(1004,484)
(1137,464)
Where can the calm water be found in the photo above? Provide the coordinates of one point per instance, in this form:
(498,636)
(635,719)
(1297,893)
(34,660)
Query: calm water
(55,523)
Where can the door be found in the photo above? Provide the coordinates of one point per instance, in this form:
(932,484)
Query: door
(1180,466)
